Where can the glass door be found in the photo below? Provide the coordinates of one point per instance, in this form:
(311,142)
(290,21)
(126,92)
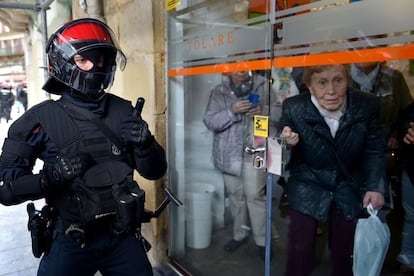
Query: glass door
(212,42)
(217,49)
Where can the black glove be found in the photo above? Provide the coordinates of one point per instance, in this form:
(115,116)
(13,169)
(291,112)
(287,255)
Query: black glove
(135,130)
(57,175)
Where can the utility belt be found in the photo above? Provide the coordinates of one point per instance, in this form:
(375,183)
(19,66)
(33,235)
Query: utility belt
(44,228)
(105,199)
(44,225)
(83,234)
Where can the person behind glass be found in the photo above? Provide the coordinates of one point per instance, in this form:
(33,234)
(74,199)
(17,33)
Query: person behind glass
(87,172)
(406,127)
(229,115)
(391,88)
(316,125)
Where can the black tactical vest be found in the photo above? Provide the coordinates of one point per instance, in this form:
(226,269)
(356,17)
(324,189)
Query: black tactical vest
(108,185)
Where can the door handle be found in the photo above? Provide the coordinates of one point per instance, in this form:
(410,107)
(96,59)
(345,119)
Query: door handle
(253,150)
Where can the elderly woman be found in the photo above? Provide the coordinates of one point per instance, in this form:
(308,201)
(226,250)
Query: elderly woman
(336,167)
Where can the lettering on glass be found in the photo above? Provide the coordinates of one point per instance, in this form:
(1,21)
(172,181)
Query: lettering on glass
(210,43)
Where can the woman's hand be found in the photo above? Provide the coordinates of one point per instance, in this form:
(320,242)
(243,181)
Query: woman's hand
(291,137)
(375,198)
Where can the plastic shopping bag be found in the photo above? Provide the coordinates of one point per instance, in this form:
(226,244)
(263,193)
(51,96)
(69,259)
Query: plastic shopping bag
(372,238)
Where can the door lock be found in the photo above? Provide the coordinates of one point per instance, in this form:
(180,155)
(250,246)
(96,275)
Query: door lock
(258,162)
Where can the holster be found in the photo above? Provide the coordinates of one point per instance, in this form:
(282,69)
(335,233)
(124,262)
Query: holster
(129,206)
(40,226)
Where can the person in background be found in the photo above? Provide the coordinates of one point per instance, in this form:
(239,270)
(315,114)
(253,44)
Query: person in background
(391,88)
(229,115)
(327,124)
(90,142)
(406,130)
(6,103)
(21,94)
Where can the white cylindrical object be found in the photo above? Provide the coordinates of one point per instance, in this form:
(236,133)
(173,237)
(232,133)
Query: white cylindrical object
(198,215)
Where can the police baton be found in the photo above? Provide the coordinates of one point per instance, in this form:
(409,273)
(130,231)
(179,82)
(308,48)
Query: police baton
(169,197)
(138,107)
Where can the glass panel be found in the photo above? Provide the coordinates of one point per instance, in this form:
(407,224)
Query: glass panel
(334,25)
(207,41)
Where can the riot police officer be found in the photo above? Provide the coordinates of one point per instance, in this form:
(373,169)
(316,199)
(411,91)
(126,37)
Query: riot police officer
(6,102)
(90,142)
(21,94)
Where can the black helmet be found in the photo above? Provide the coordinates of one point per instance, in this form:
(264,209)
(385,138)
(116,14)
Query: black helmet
(89,38)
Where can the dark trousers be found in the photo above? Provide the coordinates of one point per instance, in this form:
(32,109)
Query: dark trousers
(108,253)
(302,243)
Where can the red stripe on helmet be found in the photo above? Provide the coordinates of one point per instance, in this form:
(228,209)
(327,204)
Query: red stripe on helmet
(85,31)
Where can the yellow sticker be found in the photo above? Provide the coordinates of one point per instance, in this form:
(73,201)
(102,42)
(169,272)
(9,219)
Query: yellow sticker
(172,4)
(261,126)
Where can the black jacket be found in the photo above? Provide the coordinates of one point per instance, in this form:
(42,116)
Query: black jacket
(315,181)
(29,140)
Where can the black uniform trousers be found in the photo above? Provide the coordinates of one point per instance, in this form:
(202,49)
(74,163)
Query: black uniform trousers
(110,254)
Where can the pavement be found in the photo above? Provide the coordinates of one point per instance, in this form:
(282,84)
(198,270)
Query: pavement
(15,248)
